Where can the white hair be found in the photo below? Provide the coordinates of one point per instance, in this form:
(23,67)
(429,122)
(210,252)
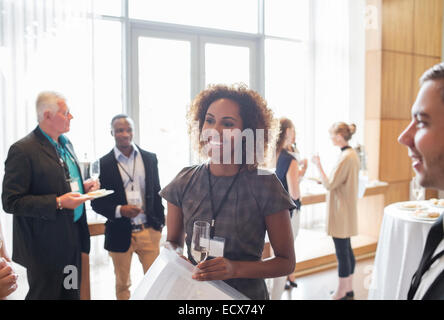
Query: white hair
(47,101)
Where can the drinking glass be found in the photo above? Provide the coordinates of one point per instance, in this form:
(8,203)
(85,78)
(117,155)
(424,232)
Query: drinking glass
(200,243)
(417,189)
(94,169)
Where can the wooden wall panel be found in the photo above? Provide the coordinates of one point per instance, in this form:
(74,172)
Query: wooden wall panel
(427,33)
(420,65)
(394,163)
(373,85)
(370,214)
(396,192)
(396,86)
(371,142)
(397,26)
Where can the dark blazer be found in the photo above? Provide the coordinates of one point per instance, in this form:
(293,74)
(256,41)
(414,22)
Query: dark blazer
(118,231)
(44,238)
(436,289)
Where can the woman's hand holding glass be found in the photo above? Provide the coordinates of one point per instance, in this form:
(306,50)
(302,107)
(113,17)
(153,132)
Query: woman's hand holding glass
(218,268)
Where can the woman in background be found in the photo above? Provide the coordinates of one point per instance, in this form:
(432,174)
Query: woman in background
(290,174)
(342,203)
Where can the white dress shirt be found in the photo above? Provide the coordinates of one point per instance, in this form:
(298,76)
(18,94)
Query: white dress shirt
(430,275)
(138,177)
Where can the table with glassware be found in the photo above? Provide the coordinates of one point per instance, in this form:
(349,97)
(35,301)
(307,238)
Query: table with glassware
(402,237)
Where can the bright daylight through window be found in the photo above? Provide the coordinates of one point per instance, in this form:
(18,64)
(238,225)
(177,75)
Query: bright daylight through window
(149,58)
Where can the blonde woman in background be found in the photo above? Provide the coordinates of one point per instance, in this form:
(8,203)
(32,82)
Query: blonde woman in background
(342,202)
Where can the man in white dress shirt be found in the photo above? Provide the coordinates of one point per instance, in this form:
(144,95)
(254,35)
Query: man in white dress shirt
(424,138)
(134,211)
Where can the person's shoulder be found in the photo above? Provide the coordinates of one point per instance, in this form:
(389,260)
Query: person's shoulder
(286,157)
(110,156)
(27,142)
(260,176)
(186,176)
(288,154)
(284,154)
(350,154)
(190,171)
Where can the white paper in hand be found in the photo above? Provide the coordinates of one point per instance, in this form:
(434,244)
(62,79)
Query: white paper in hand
(169,278)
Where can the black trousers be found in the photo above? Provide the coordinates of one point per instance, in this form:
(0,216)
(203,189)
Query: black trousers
(54,284)
(345,257)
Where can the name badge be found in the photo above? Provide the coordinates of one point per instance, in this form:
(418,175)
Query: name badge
(133,198)
(217,245)
(74,185)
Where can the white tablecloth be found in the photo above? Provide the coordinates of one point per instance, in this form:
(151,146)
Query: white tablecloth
(400,246)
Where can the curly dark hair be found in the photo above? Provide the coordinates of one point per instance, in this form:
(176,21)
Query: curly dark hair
(253,110)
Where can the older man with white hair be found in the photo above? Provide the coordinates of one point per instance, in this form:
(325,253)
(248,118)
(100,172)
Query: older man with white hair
(44,190)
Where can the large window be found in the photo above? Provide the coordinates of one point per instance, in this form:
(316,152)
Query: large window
(149,58)
(232,15)
(164,91)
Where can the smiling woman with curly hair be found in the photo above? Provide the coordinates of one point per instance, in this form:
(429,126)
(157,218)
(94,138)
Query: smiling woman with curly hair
(239,201)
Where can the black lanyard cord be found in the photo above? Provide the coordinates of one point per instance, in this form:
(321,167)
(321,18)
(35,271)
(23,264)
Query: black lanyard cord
(216,212)
(131,178)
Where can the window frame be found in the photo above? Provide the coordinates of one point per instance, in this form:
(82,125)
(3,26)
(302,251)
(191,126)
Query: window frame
(132,28)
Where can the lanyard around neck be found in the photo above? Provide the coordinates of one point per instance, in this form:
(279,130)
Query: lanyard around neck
(131,178)
(216,212)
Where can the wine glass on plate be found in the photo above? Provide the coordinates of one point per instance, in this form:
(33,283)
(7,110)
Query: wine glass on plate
(200,242)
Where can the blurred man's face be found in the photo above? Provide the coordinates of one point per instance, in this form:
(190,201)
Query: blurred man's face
(424,136)
(122,131)
(60,121)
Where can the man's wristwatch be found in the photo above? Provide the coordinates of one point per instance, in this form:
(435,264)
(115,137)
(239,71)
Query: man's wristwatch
(59,203)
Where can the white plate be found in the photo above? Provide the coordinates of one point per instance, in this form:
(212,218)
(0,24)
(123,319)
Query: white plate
(436,206)
(99,193)
(424,218)
(404,206)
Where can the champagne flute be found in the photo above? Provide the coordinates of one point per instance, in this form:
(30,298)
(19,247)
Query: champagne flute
(94,169)
(200,243)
